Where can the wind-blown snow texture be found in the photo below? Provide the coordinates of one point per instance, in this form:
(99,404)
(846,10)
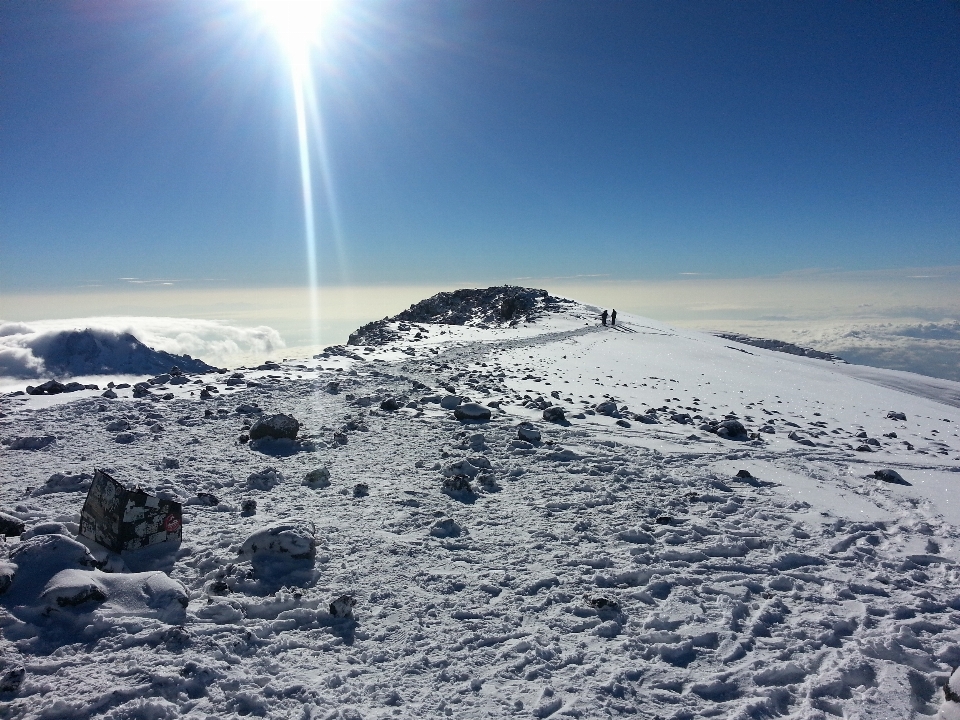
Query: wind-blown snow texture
(622,564)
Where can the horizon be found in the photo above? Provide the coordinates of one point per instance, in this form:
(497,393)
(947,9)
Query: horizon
(780,170)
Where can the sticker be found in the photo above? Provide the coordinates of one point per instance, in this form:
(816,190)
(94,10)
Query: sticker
(171,523)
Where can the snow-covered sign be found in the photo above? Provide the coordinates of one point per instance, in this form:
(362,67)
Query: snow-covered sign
(120,519)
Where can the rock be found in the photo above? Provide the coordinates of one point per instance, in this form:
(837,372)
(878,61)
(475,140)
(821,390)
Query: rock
(8,571)
(457,485)
(664,520)
(50,387)
(41,557)
(646,419)
(109,394)
(317,479)
(151,594)
(606,408)
(118,426)
(894,415)
(554,414)
(288,542)
(445,528)
(169,463)
(46,528)
(528,433)
(744,474)
(332,387)
(461,467)
(471,411)
(449,402)
(266,479)
(248,409)
(732,430)
(361,490)
(204,499)
(275,426)
(142,390)
(58,482)
(890,476)
(343,606)
(623,423)
(248,507)
(30,442)
(11,676)
(10,526)
(125,438)
(390,405)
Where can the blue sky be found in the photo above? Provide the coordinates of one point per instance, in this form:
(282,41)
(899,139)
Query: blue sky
(479,141)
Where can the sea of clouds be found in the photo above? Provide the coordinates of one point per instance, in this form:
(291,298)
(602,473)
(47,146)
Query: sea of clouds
(26,348)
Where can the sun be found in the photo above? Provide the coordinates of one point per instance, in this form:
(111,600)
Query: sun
(296,24)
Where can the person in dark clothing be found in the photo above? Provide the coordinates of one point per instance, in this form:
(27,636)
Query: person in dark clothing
(603,317)
(613,317)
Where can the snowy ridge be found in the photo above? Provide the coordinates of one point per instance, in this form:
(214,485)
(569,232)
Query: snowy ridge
(629,559)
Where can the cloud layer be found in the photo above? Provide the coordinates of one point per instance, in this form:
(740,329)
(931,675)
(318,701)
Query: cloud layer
(34,349)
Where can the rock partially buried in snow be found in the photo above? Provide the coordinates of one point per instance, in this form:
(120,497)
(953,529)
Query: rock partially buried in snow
(890,476)
(732,430)
(30,443)
(144,594)
(445,528)
(266,479)
(471,411)
(286,542)
(277,427)
(343,606)
(894,415)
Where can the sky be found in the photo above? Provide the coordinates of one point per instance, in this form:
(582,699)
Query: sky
(151,148)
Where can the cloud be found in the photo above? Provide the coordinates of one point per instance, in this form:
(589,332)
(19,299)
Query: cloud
(25,350)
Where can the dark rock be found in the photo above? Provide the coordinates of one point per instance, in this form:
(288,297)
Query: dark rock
(30,442)
(390,405)
(890,476)
(528,433)
(894,415)
(471,411)
(318,478)
(449,402)
(332,387)
(732,430)
(361,490)
(125,438)
(343,607)
(457,484)
(248,507)
(744,474)
(275,426)
(50,387)
(606,408)
(109,394)
(602,603)
(664,520)
(623,423)
(11,677)
(10,525)
(778,346)
(554,414)
(445,528)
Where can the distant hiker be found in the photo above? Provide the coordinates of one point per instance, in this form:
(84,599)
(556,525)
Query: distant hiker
(613,317)
(603,317)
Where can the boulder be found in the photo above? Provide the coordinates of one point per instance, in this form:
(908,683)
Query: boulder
(343,606)
(390,405)
(152,594)
(449,402)
(554,414)
(471,411)
(890,476)
(732,430)
(528,433)
(275,426)
(607,407)
(266,479)
(10,526)
(50,387)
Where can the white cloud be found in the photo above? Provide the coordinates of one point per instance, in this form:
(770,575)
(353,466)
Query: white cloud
(23,347)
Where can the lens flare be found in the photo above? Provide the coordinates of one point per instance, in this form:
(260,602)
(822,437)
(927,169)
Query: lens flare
(296,25)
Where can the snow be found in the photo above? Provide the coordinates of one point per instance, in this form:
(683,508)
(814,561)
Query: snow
(592,570)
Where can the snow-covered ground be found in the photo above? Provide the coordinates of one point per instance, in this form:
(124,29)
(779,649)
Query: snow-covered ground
(616,566)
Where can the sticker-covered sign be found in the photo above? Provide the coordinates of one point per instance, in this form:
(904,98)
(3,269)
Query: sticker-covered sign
(120,518)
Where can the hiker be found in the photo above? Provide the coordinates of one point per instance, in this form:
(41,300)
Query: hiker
(613,317)
(603,317)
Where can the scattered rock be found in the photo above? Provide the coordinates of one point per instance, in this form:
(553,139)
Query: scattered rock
(50,387)
(248,409)
(390,405)
(623,423)
(32,442)
(343,606)
(471,411)
(361,490)
(890,476)
(744,474)
(248,507)
(109,394)
(731,430)
(125,438)
(894,415)
(318,478)
(528,433)
(266,479)
(449,402)
(445,528)
(277,426)
(10,526)
(332,387)
(59,482)
(554,414)
(204,499)
(457,484)
(606,408)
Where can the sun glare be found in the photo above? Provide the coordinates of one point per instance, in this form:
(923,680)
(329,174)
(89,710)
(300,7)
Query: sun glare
(296,24)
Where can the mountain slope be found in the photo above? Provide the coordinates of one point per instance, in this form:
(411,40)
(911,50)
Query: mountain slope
(624,563)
